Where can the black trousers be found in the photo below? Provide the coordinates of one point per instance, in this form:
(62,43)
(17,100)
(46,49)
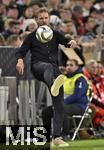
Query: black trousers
(47,73)
(70,110)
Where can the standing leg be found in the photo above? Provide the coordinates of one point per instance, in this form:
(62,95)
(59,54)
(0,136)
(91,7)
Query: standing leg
(58,113)
(49,74)
(47,115)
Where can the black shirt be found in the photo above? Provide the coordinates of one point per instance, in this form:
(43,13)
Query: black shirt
(45,52)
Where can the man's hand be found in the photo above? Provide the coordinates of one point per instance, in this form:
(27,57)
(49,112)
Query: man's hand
(73,44)
(20,66)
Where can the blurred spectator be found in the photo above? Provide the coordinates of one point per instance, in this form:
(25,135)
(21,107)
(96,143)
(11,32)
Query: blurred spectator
(78,19)
(99,4)
(36,6)
(73,69)
(53,6)
(8,2)
(22,5)
(55,21)
(95,13)
(29,25)
(14,41)
(87,4)
(23,35)
(65,13)
(12,12)
(93,72)
(90,68)
(96,29)
(13,28)
(99,83)
(6,23)
(76,2)
(76,89)
(70,29)
(89,29)
(2,15)
(2,40)
(66,3)
(100,69)
(28,13)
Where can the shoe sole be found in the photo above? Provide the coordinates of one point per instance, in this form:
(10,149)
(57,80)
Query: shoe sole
(59,81)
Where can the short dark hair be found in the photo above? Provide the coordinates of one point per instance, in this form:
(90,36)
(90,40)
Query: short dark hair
(68,21)
(75,61)
(78,9)
(42,9)
(13,22)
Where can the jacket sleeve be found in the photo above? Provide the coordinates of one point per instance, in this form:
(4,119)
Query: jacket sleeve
(62,39)
(25,47)
(81,87)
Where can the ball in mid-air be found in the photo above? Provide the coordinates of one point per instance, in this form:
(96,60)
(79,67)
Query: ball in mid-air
(44,34)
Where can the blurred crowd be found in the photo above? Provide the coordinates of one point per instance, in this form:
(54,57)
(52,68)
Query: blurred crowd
(78,19)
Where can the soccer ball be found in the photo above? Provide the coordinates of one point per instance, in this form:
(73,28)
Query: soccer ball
(44,34)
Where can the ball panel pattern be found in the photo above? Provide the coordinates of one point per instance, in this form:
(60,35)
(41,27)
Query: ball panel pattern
(44,34)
